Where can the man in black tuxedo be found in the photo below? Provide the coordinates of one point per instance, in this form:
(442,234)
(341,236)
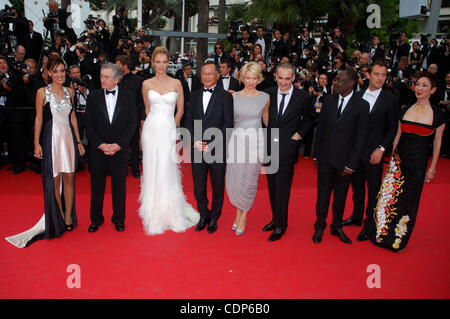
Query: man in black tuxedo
(226,80)
(35,43)
(110,125)
(383,126)
(133,83)
(341,134)
(290,113)
(209,109)
(219,53)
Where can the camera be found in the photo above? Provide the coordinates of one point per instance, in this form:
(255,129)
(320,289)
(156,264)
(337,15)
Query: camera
(4,77)
(407,82)
(318,88)
(362,75)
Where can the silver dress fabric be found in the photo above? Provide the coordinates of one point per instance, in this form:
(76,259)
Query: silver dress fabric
(63,149)
(245,150)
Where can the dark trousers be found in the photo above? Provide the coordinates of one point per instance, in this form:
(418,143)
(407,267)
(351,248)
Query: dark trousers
(100,165)
(279,192)
(17,146)
(80,122)
(372,175)
(135,151)
(330,180)
(309,139)
(200,176)
(3,131)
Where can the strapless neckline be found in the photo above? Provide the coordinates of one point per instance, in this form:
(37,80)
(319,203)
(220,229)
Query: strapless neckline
(162,94)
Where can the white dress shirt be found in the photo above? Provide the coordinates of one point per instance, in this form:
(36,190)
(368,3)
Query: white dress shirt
(286,99)
(262,43)
(346,99)
(371,97)
(226,82)
(206,97)
(111,101)
(189,81)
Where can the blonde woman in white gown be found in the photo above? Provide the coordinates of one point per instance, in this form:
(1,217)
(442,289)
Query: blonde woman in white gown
(163,203)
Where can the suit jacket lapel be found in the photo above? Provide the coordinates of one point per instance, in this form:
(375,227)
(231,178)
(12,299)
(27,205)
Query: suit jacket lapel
(103,105)
(289,107)
(347,108)
(377,102)
(210,104)
(118,107)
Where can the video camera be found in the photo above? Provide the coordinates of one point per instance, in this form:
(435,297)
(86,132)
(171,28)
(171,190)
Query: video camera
(6,15)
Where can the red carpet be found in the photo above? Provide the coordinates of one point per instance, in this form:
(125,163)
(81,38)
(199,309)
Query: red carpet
(219,265)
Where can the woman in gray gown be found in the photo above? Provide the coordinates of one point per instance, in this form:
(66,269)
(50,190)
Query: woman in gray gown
(246,146)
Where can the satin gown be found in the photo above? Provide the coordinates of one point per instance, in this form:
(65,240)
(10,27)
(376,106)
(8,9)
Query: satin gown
(163,203)
(399,197)
(60,155)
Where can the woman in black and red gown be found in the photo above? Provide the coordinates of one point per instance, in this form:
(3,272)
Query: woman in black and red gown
(420,131)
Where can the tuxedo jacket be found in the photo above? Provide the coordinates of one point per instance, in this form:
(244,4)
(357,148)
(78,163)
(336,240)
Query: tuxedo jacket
(339,142)
(234,83)
(383,124)
(219,114)
(133,82)
(296,118)
(35,46)
(122,128)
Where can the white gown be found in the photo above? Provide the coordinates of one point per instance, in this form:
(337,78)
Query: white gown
(163,203)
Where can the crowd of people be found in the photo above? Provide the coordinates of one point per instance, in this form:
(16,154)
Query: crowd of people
(347,112)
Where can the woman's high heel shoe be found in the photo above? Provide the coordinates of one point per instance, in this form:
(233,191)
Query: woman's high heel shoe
(69,227)
(239,232)
(234,227)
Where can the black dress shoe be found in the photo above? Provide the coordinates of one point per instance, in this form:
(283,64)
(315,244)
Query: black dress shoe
(317,237)
(277,234)
(94,227)
(18,170)
(342,236)
(212,226)
(120,227)
(352,221)
(69,227)
(201,224)
(270,226)
(136,174)
(363,235)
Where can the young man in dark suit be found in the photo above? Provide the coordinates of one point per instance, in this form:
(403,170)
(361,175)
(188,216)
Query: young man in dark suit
(110,125)
(341,134)
(226,80)
(290,113)
(383,126)
(211,106)
(133,83)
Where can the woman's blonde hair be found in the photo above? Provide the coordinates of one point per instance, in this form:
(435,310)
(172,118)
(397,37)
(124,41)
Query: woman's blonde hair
(160,50)
(253,68)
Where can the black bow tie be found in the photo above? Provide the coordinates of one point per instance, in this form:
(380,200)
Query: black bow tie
(208,90)
(113,92)
(225,77)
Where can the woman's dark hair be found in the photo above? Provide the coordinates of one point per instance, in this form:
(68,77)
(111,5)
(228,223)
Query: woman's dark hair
(430,76)
(54,62)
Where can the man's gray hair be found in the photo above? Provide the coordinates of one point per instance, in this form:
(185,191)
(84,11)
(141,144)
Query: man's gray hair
(287,66)
(117,71)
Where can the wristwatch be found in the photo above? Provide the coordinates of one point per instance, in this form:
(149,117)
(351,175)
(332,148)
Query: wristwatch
(381,148)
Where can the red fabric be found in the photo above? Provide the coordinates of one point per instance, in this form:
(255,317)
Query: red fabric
(220,265)
(416,129)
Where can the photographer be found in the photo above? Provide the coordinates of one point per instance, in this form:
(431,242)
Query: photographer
(56,19)
(81,89)
(280,48)
(18,25)
(62,44)
(15,94)
(86,61)
(122,25)
(98,32)
(32,81)
(400,47)
(318,91)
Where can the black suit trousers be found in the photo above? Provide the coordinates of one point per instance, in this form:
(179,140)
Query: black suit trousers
(100,166)
(330,180)
(200,176)
(372,175)
(279,192)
